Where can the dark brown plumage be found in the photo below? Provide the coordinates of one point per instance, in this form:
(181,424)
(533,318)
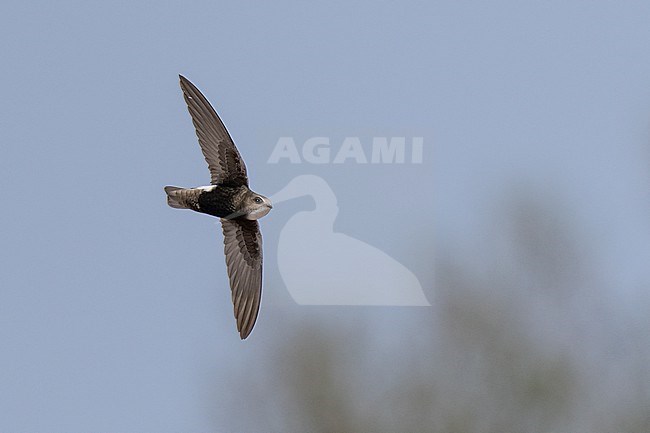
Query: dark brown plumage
(230,199)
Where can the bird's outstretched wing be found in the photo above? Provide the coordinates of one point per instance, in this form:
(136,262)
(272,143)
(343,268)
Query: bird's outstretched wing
(223,158)
(243,248)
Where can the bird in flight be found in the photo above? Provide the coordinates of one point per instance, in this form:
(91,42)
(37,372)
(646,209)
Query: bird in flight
(229,198)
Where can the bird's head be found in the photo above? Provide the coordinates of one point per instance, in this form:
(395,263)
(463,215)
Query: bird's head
(255,205)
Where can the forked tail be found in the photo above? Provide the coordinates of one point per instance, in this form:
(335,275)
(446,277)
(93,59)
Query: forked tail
(180,198)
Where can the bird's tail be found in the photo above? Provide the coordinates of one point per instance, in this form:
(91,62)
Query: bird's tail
(179,198)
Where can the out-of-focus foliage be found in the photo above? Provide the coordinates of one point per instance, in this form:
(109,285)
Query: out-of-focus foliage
(522,339)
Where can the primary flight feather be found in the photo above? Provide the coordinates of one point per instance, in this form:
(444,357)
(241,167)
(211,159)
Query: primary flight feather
(230,199)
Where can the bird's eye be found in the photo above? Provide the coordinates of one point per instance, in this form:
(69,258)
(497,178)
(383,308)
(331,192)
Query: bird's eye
(257,200)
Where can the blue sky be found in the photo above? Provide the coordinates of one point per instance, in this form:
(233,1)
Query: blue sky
(112,305)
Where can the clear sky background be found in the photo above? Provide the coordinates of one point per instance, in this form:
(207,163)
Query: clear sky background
(114,310)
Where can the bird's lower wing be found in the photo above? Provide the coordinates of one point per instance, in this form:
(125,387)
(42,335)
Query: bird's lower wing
(243,249)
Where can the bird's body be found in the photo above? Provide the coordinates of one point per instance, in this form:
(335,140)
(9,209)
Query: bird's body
(222,201)
(229,198)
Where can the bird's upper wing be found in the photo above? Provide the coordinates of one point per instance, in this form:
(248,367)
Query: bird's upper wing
(243,248)
(224,160)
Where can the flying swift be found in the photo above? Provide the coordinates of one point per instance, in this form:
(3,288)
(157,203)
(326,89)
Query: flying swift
(229,198)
